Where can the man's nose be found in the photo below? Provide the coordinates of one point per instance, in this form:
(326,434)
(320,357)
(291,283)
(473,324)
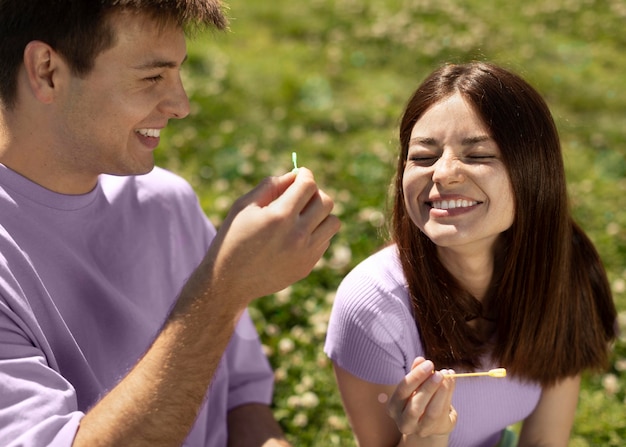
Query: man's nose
(176,104)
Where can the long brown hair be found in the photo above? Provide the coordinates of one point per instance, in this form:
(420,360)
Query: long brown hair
(549,299)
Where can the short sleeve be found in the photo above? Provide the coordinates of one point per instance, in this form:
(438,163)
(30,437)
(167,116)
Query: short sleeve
(37,405)
(250,376)
(371,333)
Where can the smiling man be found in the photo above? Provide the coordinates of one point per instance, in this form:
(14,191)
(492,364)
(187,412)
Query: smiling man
(122,310)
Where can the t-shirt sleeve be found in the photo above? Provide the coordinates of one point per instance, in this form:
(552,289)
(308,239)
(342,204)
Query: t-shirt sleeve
(37,405)
(250,376)
(367,327)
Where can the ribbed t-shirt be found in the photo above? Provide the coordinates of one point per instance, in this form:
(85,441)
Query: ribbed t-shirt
(86,283)
(372,334)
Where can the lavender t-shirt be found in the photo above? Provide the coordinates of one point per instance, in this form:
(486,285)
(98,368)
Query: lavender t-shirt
(372,335)
(86,283)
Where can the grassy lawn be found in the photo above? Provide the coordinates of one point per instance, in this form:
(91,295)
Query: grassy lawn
(329,79)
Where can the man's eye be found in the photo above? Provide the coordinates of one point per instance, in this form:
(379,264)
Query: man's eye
(156,78)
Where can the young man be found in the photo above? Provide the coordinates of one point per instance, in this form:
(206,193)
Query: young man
(122,310)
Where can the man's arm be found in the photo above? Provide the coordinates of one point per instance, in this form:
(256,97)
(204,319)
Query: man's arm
(273,237)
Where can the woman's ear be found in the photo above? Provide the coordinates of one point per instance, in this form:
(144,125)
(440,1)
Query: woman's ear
(43,66)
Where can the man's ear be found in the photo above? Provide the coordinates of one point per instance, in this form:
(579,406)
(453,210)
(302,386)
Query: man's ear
(43,66)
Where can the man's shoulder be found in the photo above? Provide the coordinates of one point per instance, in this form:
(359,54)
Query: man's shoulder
(162,177)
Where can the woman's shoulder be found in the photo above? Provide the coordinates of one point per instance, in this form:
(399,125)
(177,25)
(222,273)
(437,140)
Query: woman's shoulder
(377,280)
(383,268)
(371,320)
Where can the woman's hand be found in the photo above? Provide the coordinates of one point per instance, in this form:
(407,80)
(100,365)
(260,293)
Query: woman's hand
(421,405)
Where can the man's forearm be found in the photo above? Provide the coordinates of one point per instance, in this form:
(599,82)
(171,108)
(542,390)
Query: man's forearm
(157,402)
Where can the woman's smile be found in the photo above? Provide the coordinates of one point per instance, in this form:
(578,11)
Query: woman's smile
(456,188)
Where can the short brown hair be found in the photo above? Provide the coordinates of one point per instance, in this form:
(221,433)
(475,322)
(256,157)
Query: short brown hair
(79,31)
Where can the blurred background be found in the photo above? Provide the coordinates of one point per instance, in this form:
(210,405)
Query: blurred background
(329,79)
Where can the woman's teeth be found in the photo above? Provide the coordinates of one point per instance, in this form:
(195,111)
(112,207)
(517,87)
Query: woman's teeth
(450,204)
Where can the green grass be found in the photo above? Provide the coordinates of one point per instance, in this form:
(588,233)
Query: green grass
(329,79)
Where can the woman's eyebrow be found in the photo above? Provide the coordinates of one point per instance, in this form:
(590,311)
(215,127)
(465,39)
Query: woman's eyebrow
(471,141)
(426,141)
(467,141)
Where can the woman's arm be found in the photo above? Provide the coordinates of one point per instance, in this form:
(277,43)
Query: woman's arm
(420,405)
(550,423)
(366,407)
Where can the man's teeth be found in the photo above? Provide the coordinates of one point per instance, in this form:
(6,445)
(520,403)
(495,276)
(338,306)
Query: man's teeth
(154,133)
(450,204)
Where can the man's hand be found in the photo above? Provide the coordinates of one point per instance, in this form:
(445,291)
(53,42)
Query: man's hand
(272,237)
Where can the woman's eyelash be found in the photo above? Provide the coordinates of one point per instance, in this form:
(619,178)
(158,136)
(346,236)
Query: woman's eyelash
(482,156)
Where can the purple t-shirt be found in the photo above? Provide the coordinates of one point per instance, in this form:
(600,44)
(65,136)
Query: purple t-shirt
(372,334)
(86,283)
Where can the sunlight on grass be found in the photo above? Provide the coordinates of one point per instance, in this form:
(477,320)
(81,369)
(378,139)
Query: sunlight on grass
(328,79)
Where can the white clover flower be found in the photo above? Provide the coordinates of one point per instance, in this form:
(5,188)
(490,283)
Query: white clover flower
(611,384)
(283,296)
(342,255)
(280,374)
(620,365)
(619,286)
(337,423)
(300,420)
(309,400)
(293,402)
(286,345)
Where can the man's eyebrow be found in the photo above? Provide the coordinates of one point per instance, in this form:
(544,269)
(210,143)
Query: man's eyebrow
(159,63)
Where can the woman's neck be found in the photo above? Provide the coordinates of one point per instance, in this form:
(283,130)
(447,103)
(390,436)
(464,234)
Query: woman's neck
(473,270)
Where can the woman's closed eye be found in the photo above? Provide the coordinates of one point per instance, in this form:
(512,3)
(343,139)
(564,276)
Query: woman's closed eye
(423,160)
(477,158)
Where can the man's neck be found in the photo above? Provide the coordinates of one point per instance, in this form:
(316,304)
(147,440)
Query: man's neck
(27,152)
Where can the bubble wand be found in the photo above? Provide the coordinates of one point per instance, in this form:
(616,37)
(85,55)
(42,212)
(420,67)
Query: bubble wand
(497,373)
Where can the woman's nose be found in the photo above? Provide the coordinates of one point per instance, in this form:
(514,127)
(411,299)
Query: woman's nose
(448,169)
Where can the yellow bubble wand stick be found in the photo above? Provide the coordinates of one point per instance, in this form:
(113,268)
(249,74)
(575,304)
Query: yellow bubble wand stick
(497,373)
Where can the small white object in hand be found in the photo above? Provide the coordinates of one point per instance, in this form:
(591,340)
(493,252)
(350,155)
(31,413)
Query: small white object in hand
(497,373)
(294,158)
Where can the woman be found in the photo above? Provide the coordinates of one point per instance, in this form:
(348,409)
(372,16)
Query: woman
(487,269)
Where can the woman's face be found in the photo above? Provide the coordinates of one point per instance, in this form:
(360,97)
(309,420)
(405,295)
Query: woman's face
(456,187)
